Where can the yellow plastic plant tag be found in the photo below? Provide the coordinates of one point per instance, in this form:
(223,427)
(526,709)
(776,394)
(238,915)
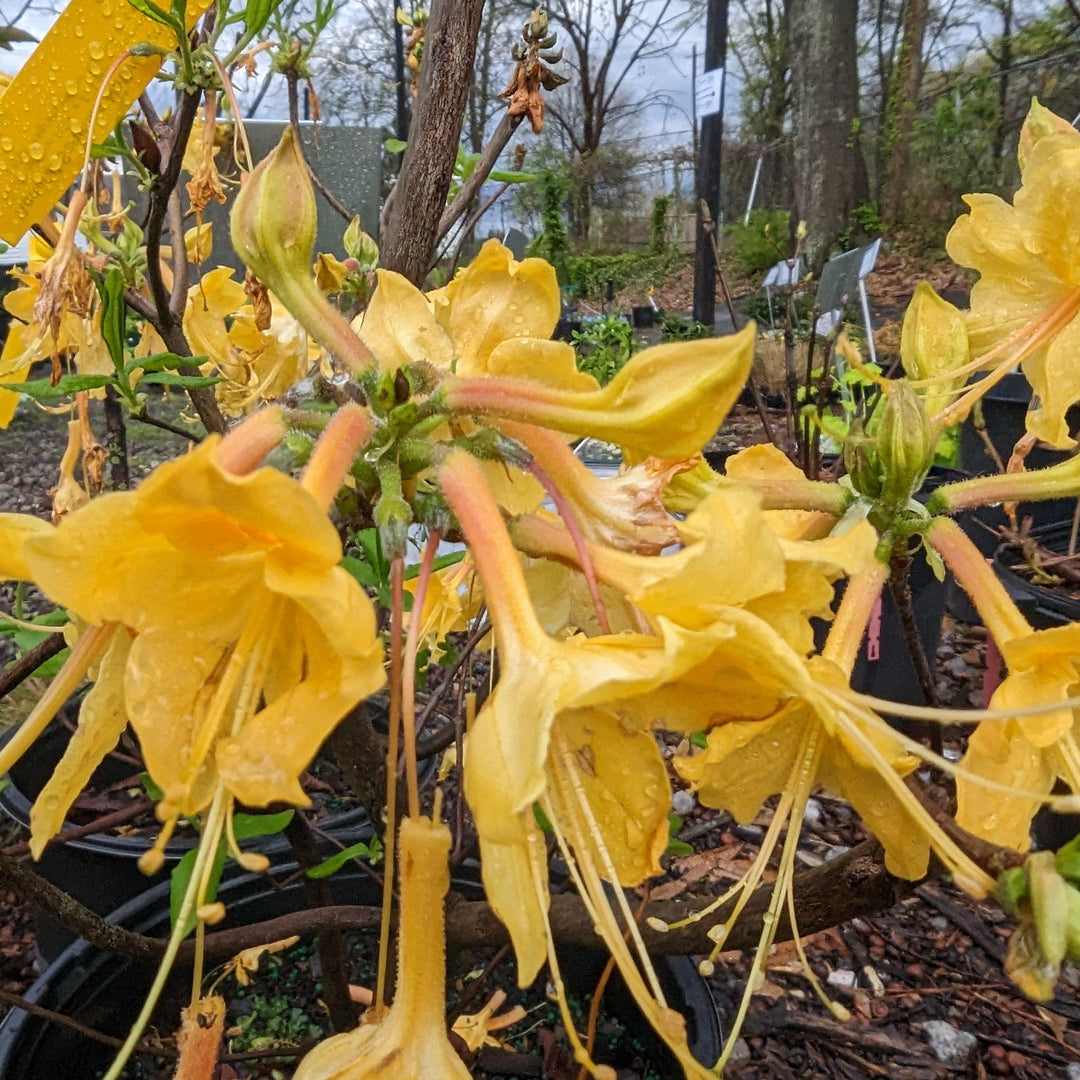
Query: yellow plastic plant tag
(45,112)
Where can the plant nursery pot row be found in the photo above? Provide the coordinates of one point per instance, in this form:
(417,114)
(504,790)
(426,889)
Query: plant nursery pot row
(101,870)
(105,992)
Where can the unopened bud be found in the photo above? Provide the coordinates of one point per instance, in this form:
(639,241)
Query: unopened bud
(360,247)
(905,444)
(274,219)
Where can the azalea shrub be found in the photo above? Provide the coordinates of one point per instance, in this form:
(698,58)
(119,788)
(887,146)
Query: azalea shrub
(214,612)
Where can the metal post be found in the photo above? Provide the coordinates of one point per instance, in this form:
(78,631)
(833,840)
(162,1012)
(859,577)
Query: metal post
(753,189)
(708,169)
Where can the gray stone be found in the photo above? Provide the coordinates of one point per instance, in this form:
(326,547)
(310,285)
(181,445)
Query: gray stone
(950,1045)
(1073,1071)
(740,1051)
(682,802)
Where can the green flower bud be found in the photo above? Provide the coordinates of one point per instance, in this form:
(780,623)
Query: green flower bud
(274,219)
(360,246)
(862,464)
(1049,905)
(905,444)
(1072,923)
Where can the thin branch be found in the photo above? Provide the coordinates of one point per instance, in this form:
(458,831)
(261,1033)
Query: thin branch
(164,425)
(499,138)
(29,662)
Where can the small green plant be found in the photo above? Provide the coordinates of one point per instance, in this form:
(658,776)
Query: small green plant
(754,247)
(681,328)
(603,346)
(553,243)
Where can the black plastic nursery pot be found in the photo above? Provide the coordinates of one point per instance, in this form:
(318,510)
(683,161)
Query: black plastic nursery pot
(1005,409)
(643,317)
(1042,607)
(101,870)
(106,992)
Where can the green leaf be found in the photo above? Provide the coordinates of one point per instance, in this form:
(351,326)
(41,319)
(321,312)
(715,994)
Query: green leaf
(162,361)
(257,13)
(395,146)
(542,820)
(152,11)
(169,378)
(43,390)
(362,571)
(509,176)
(150,787)
(440,563)
(247,826)
(1012,888)
(336,862)
(1068,860)
(181,878)
(113,315)
(700,740)
(679,847)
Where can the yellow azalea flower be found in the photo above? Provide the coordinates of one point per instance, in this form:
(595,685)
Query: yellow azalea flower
(46,112)
(453,599)
(250,640)
(667,401)
(731,556)
(625,511)
(1027,752)
(564,606)
(78,332)
(199,242)
(409,1040)
(261,365)
(1026,304)
(495,318)
(1030,752)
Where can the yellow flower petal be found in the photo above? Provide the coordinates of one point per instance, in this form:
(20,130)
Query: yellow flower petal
(67,68)
(102,720)
(623,776)
(497,298)
(933,342)
(399,327)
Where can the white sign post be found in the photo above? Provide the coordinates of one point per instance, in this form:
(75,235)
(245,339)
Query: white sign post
(709,92)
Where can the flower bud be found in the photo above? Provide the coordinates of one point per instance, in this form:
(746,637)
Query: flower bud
(905,444)
(360,246)
(862,464)
(274,220)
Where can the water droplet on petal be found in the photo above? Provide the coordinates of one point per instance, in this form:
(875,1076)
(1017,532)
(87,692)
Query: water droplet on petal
(36,151)
(6,144)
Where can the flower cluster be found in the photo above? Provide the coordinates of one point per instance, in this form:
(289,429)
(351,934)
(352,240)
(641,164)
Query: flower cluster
(211,612)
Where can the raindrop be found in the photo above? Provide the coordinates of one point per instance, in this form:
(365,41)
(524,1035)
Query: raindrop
(72,87)
(21,176)
(6,144)
(95,69)
(76,126)
(55,162)
(78,30)
(96,50)
(36,151)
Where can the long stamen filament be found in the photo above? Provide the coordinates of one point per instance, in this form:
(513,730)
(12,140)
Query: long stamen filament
(970,877)
(412,647)
(803,775)
(597,839)
(208,846)
(397,606)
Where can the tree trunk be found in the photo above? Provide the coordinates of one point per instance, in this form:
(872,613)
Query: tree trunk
(904,87)
(825,100)
(1004,59)
(419,197)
